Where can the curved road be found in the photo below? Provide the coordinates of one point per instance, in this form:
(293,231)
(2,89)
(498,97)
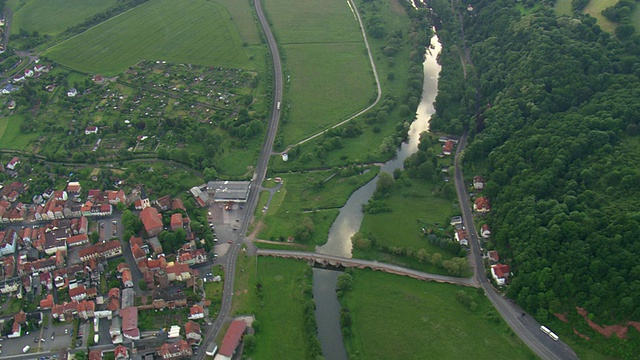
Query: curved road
(258,178)
(523,325)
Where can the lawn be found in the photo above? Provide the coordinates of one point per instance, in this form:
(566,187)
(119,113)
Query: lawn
(278,308)
(327,72)
(198,32)
(595,7)
(51,17)
(301,196)
(10,135)
(424,320)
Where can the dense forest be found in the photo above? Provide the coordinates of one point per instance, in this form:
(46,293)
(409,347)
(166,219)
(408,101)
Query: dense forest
(552,106)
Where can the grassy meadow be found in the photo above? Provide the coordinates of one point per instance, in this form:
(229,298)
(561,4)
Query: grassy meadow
(423,320)
(595,7)
(327,73)
(278,308)
(51,17)
(301,197)
(197,32)
(563,7)
(10,135)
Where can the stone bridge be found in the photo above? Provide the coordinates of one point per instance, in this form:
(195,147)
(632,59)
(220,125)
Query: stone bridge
(337,261)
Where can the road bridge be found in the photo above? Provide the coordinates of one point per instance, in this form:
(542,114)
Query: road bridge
(337,261)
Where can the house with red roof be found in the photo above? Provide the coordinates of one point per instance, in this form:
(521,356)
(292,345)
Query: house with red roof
(121,353)
(196,312)
(481,204)
(78,293)
(178,272)
(151,220)
(447,148)
(178,350)
(12,164)
(77,240)
(232,339)
(86,309)
(493,255)
(176,221)
(485,232)
(73,188)
(130,323)
(127,280)
(478,183)
(192,331)
(91,129)
(46,303)
(461,237)
(500,273)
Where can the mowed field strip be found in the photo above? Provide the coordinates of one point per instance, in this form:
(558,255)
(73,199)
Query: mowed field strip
(195,32)
(325,56)
(52,17)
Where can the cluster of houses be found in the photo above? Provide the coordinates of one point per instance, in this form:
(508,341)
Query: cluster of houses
(31,72)
(55,205)
(499,272)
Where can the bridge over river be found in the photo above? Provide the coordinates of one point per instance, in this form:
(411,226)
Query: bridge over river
(337,261)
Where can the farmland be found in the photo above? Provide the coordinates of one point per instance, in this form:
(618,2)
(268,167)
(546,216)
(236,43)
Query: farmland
(198,32)
(10,136)
(328,73)
(51,17)
(421,320)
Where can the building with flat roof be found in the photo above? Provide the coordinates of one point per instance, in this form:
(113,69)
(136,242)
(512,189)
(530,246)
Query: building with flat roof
(236,191)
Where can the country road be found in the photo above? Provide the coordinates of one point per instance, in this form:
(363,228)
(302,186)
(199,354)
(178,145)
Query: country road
(522,324)
(229,260)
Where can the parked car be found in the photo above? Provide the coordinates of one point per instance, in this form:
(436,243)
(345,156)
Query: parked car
(53,336)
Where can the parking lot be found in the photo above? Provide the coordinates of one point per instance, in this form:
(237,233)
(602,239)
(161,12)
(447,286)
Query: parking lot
(54,339)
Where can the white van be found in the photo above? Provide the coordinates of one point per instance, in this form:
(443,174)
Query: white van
(26,349)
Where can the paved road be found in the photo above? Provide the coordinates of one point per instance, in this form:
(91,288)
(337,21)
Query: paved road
(229,260)
(527,328)
(362,264)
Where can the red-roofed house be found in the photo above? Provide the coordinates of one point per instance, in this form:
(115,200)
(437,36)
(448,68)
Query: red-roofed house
(151,220)
(178,350)
(481,205)
(91,129)
(121,353)
(76,240)
(178,272)
(73,188)
(485,232)
(138,253)
(130,323)
(196,312)
(12,164)
(478,183)
(78,293)
(127,280)
(176,221)
(192,331)
(500,273)
(493,255)
(232,338)
(95,355)
(461,237)
(46,303)
(86,309)
(447,148)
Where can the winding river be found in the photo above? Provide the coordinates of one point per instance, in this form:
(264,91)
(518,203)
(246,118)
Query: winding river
(350,218)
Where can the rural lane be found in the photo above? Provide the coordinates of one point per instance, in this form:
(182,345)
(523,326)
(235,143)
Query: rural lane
(523,325)
(252,201)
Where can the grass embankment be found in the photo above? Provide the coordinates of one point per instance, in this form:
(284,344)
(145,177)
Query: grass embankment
(197,32)
(279,307)
(51,17)
(315,195)
(327,73)
(401,318)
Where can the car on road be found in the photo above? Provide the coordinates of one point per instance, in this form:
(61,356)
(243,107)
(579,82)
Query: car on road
(115,222)
(66,331)
(53,336)
(230,242)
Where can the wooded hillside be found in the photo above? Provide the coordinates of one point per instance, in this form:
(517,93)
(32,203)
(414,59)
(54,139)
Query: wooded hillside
(553,106)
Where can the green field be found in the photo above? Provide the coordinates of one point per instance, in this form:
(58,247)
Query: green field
(595,8)
(279,307)
(325,58)
(563,7)
(10,135)
(51,17)
(301,197)
(241,12)
(421,320)
(197,32)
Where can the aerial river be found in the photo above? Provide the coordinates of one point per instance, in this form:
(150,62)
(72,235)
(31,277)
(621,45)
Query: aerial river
(348,221)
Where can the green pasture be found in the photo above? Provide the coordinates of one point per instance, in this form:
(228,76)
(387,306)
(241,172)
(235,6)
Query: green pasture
(51,17)
(242,14)
(423,320)
(196,32)
(301,196)
(327,73)
(308,21)
(563,7)
(329,83)
(278,308)
(10,135)
(595,8)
